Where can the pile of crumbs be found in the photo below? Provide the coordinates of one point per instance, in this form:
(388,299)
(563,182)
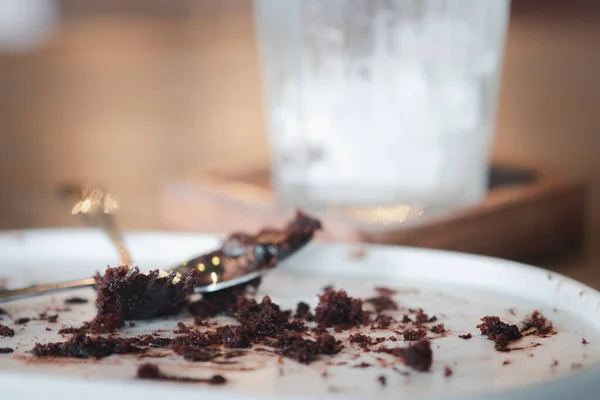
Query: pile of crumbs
(336,325)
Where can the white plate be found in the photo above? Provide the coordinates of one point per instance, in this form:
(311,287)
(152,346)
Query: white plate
(458,288)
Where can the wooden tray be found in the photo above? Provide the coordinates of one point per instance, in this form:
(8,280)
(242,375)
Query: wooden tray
(524,217)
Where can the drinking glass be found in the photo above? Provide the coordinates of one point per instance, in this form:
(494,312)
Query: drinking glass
(380,102)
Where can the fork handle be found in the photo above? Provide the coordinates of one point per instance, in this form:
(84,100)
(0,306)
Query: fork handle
(38,290)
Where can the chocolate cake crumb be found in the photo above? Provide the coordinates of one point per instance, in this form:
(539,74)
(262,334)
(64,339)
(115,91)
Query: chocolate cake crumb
(5,350)
(125,293)
(6,331)
(554,363)
(383,291)
(72,330)
(76,300)
(414,335)
(363,340)
(506,362)
(382,303)
(382,322)
(195,354)
(303,312)
(538,325)
(406,319)
(181,328)
(306,351)
(362,365)
(22,321)
(448,371)
(466,336)
(500,332)
(422,318)
(438,329)
(45,317)
(153,341)
(382,380)
(151,371)
(417,356)
(82,346)
(583,341)
(223,302)
(337,309)
(48,329)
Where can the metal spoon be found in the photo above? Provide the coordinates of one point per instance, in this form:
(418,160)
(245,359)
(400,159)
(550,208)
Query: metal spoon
(241,259)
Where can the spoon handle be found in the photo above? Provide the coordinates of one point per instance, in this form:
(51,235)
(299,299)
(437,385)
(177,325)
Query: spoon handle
(95,207)
(38,290)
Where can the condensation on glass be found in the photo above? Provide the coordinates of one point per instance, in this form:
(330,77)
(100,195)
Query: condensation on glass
(381,102)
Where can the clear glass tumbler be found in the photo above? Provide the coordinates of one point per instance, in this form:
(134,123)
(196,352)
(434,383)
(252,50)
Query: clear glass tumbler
(381,102)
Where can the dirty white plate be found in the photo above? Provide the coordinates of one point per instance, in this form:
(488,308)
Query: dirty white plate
(459,289)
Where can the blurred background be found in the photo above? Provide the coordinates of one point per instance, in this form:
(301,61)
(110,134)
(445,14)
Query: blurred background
(132,93)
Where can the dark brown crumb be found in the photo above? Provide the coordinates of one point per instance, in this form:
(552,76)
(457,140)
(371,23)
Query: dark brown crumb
(406,319)
(414,335)
(82,346)
(506,362)
(382,322)
(466,336)
(6,331)
(417,356)
(362,365)
(128,294)
(383,291)
(500,332)
(364,341)
(72,330)
(131,324)
(382,380)
(382,303)
(448,371)
(303,312)
(45,317)
(21,321)
(76,300)
(422,318)
(538,325)
(5,350)
(48,329)
(223,302)
(260,323)
(337,309)
(583,341)
(195,354)
(554,363)
(438,329)
(512,311)
(181,328)
(305,350)
(151,371)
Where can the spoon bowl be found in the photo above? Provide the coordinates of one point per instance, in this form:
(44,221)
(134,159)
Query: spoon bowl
(241,259)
